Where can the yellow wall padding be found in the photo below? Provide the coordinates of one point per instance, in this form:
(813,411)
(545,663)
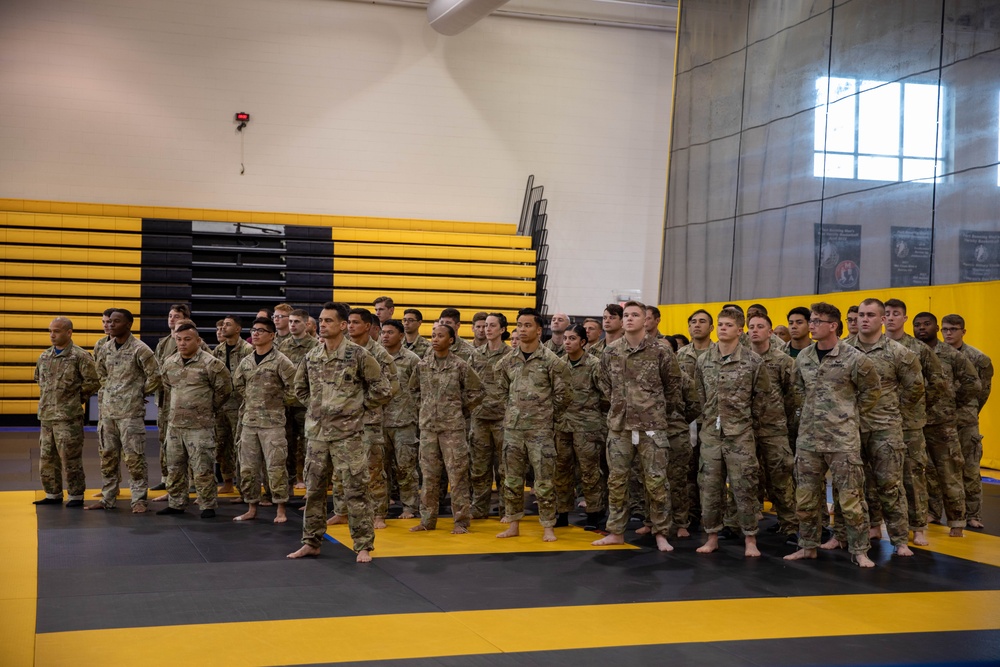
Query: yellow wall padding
(69,288)
(60,221)
(18,407)
(72,238)
(973,301)
(430,238)
(432,268)
(105,257)
(91,272)
(400,284)
(452,253)
(458,300)
(15,390)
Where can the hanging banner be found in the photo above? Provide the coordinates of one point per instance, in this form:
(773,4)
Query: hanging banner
(838,257)
(910,260)
(979,256)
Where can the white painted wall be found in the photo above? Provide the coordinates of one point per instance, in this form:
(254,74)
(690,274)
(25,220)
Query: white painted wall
(356,110)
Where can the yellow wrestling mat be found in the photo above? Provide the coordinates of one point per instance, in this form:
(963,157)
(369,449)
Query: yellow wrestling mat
(397,540)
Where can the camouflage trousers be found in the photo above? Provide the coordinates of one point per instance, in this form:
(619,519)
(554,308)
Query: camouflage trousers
(737,455)
(447,451)
(971,443)
(61,448)
(404,443)
(486,446)
(848,475)
(945,453)
(653,454)
(162,420)
(580,449)
(194,447)
(295,436)
(346,460)
(883,453)
(678,462)
(535,449)
(118,439)
(378,490)
(915,478)
(263,447)
(227,429)
(693,494)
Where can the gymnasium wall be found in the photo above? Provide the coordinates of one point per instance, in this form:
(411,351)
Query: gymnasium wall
(356,110)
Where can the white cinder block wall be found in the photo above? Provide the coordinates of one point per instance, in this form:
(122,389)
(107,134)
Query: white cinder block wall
(356,109)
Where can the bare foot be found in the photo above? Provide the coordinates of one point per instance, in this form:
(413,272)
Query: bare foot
(250,514)
(505,519)
(975,523)
(95,506)
(459,530)
(711,544)
(364,556)
(304,552)
(751,550)
(875,533)
(379,522)
(956,532)
(419,528)
(608,540)
(645,530)
(281,517)
(801,554)
(512,531)
(861,560)
(300,485)
(920,538)
(832,543)
(548,534)
(683,532)
(160,499)
(662,544)
(582,505)
(266,503)
(139,509)
(903,550)
(407,515)
(336,520)
(227,487)
(931,519)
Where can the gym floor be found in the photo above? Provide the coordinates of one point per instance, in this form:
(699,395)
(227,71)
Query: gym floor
(79,587)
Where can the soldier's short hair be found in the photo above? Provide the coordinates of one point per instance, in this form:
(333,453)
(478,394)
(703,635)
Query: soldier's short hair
(265,310)
(219,323)
(107,312)
(672,342)
(363,313)
(762,316)
(126,313)
(186,325)
(452,314)
(799,310)
(501,318)
(237,320)
(701,311)
(264,322)
(342,309)
(448,327)
(895,303)
(681,339)
(614,309)
(952,319)
(283,308)
(824,308)
(840,329)
(733,305)
(416,313)
(531,312)
(395,324)
(182,308)
(300,313)
(592,319)
(579,331)
(854,309)
(386,300)
(481,315)
(870,301)
(733,314)
(757,306)
(654,310)
(632,303)
(925,315)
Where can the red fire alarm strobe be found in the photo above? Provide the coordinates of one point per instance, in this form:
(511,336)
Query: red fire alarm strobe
(242,117)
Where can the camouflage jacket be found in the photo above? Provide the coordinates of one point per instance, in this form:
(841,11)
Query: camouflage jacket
(642,384)
(687,358)
(462,348)
(969,414)
(962,382)
(597,349)
(585,411)
(420,346)
(781,369)
(337,388)
(403,410)
(296,348)
(537,389)
(65,381)
(264,389)
(901,382)
(915,415)
(374,416)
(241,351)
(166,347)
(128,374)
(198,387)
(494,401)
(99,345)
(735,392)
(446,390)
(560,350)
(680,422)
(834,392)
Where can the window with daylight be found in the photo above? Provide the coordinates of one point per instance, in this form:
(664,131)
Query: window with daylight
(878,131)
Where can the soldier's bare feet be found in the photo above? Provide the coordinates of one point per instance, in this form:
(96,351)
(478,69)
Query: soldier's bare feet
(364,556)
(379,522)
(683,532)
(975,523)
(645,530)
(582,505)
(609,540)
(513,530)
(711,544)
(920,538)
(957,531)
(832,543)
(160,499)
(139,509)
(662,544)
(336,520)
(266,503)
(95,506)
(419,528)
(281,517)
(751,550)
(459,530)
(505,519)
(548,534)
(801,554)
(861,560)
(249,515)
(903,550)
(305,552)
(875,533)
(300,485)
(407,515)
(227,487)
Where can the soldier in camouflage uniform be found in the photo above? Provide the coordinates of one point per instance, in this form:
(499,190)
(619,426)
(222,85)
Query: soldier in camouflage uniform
(401,436)
(106,325)
(199,384)
(166,347)
(415,343)
(701,324)
(642,381)
(67,376)
(953,330)
(837,384)
(295,347)
(264,384)
(486,433)
(231,350)
(558,325)
(337,382)
(536,383)
(446,389)
(593,328)
(882,442)
(735,391)
(941,434)
(128,372)
(463,348)
(479,329)
(579,436)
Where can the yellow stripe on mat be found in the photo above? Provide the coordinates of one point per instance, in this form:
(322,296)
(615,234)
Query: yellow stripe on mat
(396,636)
(19,589)
(975,546)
